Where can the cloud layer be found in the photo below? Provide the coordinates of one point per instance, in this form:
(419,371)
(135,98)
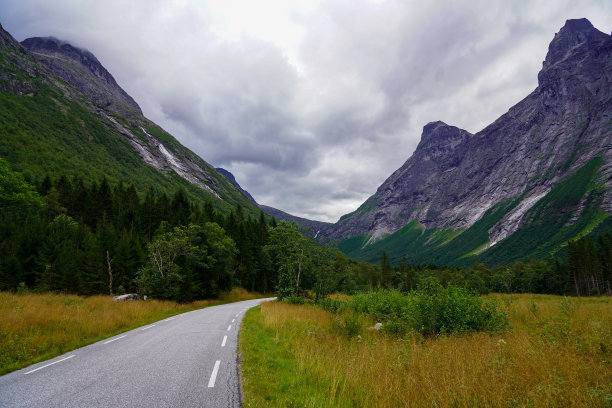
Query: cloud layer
(311,104)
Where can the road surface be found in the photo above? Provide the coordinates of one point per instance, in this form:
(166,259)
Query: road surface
(188,360)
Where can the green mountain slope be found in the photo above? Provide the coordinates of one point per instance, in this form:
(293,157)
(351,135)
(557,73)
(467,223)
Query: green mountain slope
(48,126)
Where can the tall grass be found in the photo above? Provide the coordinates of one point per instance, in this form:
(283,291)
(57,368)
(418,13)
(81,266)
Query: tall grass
(557,352)
(35,327)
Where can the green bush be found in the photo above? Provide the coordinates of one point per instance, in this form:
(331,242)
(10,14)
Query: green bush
(295,300)
(350,325)
(335,306)
(432,310)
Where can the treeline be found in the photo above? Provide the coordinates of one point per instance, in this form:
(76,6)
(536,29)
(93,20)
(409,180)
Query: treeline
(70,236)
(584,269)
(67,235)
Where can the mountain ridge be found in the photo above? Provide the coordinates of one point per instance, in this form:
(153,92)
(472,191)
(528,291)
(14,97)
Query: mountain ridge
(454,179)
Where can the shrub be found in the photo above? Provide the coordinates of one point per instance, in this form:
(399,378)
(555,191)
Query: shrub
(432,310)
(295,300)
(349,326)
(335,306)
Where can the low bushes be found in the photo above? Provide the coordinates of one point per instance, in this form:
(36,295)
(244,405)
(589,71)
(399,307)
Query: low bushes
(429,310)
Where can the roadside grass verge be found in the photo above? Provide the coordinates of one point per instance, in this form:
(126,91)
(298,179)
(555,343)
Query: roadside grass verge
(36,327)
(556,352)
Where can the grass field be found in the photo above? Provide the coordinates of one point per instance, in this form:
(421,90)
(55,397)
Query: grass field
(557,353)
(36,327)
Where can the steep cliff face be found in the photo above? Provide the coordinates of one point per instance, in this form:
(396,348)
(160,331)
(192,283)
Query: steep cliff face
(81,69)
(453,178)
(49,83)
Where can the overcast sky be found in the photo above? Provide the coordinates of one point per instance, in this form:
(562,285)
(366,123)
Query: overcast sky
(311,104)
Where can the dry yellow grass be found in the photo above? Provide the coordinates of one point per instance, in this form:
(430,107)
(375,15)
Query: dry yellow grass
(34,327)
(558,353)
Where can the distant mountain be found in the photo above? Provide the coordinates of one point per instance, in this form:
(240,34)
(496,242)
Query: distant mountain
(314,229)
(231,177)
(535,178)
(311,228)
(63,113)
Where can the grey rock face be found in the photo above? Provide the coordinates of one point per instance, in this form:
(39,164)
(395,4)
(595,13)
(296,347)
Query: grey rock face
(454,177)
(81,69)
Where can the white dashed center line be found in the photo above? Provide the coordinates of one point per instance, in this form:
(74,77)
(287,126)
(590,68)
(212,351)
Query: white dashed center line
(116,338)
(229,327)
(224,340)
(213,376)
(50,364)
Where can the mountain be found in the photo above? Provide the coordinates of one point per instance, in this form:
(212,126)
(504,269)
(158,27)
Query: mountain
(81,69)
(538,176)
(314,229)
(231,178)
(63,113)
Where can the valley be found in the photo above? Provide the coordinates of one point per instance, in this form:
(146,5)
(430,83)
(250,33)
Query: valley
(478,274)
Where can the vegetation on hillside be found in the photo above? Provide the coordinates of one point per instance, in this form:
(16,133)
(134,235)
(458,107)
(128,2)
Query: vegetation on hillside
(48,133)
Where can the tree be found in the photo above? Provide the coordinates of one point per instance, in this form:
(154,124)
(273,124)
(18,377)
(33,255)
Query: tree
(387,270)
(15,194)
(161,277)
(288,248)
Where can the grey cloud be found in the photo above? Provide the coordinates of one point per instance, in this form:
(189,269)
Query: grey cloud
(313,130)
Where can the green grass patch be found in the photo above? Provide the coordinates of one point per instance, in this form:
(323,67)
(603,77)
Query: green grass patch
(271,376)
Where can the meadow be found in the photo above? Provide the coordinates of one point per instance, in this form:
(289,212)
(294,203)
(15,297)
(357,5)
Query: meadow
(36,327)
(556,351)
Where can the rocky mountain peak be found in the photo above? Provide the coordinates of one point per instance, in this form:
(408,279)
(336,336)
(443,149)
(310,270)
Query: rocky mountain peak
(574,33)
(81,69)
(438,134)
(5,38)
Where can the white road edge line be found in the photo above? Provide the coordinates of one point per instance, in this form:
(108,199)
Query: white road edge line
(237,314)
(168,319)
(50,364)
(148,327)
(229,327)
(116,338)
(233,320)
(213,376)
(224,340)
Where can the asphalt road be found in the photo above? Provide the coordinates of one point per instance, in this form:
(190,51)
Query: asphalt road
(189,360)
